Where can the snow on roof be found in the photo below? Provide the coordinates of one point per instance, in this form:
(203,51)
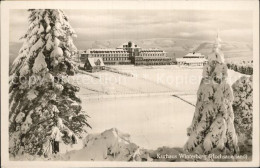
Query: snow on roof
(155,57)
(104,50)
(193,54)
(189,60)
(86,52)
(121,48)
(94,61)
(152,50)
(126,44)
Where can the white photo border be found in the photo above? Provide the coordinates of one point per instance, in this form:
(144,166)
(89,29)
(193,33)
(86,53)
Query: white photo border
(174,5)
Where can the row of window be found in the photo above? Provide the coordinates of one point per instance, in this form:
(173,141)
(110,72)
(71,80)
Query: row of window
(109,55)
(152,54)
(115,59)
(95,52)
(124,55)
(162,60)
(119,63)
(152,63)
(152,51)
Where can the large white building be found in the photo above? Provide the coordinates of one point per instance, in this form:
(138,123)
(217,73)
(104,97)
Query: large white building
(192,58)
(128,53)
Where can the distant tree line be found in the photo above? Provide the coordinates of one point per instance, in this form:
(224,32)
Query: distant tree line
(243,67)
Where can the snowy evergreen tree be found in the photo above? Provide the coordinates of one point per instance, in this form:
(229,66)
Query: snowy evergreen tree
(212,128)
(40,98)
(243,107)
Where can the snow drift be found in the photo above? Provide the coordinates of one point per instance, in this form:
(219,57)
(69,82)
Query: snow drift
(110,145)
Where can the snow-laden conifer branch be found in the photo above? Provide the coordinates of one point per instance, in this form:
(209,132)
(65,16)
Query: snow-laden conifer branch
(212,128)
(43,99)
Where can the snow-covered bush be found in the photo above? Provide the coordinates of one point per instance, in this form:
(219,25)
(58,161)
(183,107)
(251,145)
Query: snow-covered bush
(109,145)
(243,107)
(212,128)
(40,98)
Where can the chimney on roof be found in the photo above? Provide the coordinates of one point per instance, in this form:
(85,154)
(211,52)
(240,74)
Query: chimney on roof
(130,44)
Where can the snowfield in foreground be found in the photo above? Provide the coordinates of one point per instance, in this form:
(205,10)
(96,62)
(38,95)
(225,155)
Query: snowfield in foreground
(152,121)
(144,109)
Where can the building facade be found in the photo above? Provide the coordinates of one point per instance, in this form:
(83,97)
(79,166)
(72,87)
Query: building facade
(192,59)
(128,53)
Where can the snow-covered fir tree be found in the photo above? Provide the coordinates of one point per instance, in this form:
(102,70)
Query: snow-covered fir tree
(41,100)
(212,128)
(243,108)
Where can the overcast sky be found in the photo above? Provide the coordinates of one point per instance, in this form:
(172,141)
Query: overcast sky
(91,25)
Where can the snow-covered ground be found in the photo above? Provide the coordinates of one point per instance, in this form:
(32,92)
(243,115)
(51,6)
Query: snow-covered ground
(151,121)
(146,80)
(154,112)
(143,105)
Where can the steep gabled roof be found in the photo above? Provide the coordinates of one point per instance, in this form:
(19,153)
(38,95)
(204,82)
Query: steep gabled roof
(94,61)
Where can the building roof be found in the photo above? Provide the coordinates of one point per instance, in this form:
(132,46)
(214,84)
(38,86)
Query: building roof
(194,54)
(153,57)
(94,61)
(120,49)
(126,44)
(152,50)
(191,60)
(104,50)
